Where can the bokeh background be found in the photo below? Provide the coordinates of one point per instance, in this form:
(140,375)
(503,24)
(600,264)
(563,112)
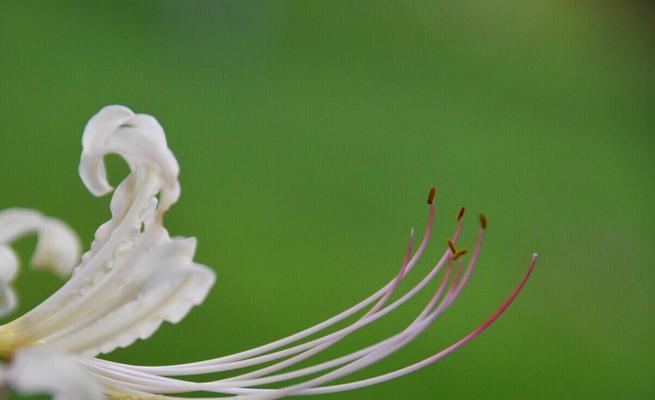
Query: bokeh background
(309,133)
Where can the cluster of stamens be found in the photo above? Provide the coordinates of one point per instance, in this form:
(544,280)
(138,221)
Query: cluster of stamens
(143,380)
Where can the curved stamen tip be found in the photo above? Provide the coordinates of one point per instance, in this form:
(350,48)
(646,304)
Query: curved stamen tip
(433,192)
(459,253)
(483,221)
(460,214)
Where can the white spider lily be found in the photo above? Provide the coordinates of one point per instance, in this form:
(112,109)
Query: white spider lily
(135,277)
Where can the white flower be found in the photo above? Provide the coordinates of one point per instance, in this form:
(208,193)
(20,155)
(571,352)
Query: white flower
(136,276)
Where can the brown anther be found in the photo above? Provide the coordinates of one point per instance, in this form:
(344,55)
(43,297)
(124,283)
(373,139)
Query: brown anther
(483,221)
(433,192)
(451,245)
(459,253)
(460,214)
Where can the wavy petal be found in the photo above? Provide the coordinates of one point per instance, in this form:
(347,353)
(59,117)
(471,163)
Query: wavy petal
(162,284)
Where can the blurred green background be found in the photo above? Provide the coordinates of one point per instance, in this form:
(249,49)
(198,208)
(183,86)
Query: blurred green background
(309,133)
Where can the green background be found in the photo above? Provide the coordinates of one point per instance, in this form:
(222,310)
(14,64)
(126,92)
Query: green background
(309,133)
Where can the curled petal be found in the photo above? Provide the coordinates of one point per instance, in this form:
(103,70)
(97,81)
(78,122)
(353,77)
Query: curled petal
(58,247)
(139,139)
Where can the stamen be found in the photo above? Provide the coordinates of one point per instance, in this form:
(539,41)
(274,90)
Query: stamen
(456,278)
(483,221)
(454,291)
(459,253)
(433,192)
(472,263)
(238,381)
(434,358)
(458,230)
(456,253)
(461,212)
(316,342)
(399,277)
(154,380)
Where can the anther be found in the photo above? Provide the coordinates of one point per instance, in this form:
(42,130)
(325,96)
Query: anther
(483,221)
(459,253)
(460,214)
(433,192)
(451,245)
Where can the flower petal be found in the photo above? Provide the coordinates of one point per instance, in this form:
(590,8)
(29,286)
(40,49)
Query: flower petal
(35,372)
(57,247)
(8,264)
(133,267)
(8,300)
(162,284)
(139,139)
